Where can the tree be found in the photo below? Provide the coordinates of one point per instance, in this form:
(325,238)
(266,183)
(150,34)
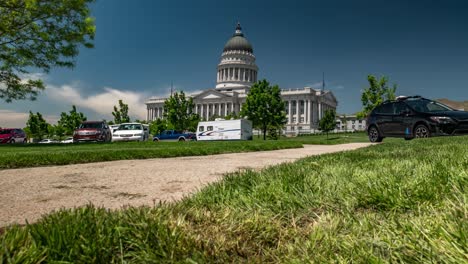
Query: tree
(121,114)
(157,126)
(71,121)
(39,34)
(377,92)
(264,107)
(328,121)
(178,111)
(37,126)
(59,131)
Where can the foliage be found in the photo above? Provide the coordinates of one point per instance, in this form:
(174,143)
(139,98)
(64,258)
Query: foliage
(37,126)
(178,111)
(328,121)
(264,106)
(377,92)
(71,121)
(360,206)
(121,113)
(39,34)
(232,115)
(157,126)
(59,131)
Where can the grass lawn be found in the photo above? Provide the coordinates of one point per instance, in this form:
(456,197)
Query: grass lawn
(33,155)
(401,201)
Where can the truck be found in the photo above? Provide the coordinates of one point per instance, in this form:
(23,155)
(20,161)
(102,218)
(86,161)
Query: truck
(174,135)
(220,129)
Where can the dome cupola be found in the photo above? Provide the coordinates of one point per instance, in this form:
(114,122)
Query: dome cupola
(237,70)
(238,41)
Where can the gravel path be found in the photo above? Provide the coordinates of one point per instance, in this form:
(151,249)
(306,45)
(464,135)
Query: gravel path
(29,193)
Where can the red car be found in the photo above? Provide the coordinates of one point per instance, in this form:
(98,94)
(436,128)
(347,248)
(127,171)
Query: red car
(92,131)
(12,135)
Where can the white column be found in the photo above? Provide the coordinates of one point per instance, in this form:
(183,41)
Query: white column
(289,112)
(225,109)
(297,112)
(232,107)
(201,113)
(219,109)
(320,111)
(306,107)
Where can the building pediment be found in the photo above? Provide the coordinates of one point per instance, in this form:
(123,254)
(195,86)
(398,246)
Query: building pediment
(211,94)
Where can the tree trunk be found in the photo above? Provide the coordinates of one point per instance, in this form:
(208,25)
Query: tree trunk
(264,132)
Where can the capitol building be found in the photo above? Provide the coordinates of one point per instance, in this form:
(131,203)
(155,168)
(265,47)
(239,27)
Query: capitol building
(236,73)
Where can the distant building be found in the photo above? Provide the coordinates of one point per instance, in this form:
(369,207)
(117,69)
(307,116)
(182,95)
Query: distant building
(463,106)
(350,123)
(236,73)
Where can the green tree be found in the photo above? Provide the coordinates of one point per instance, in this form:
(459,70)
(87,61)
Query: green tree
(37,126)
(377,92)
(232,115)
(264,107)
(59,131)
(328,121)
(178,111)
(121,113)
(157,126)
(71,121)
(39,35)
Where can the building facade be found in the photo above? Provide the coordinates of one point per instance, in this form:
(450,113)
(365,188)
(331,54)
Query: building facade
(350,123)
(236,73)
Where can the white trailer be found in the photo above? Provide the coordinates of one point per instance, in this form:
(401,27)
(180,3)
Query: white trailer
(220,129)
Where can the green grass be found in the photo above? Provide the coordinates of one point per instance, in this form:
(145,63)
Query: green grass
(20,156)
(33,155)
(401,201)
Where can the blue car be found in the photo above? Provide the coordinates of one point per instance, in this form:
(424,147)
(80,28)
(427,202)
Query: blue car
(173,135)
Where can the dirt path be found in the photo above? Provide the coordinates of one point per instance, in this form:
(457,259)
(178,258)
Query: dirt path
(29,193)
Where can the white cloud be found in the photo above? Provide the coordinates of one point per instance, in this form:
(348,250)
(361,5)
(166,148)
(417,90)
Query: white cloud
(12,119)
(101,103)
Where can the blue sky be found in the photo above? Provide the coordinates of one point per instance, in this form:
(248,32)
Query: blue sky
(141,46)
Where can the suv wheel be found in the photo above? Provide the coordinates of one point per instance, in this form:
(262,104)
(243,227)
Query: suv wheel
(374,135)
(181,139)
(12,141)
(155,139)
(421,131)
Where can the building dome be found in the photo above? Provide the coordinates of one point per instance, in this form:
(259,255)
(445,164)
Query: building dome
(238,42)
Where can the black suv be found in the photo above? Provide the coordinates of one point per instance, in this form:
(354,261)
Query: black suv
(415,117)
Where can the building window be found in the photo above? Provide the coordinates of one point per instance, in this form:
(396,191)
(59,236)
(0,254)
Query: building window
(353,126)
(294,120)
(360,121)
(302,120)
(353,122)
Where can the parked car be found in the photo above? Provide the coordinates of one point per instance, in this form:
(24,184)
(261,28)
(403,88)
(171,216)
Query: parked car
(130,132)
(48,141)
(173,135)
(415,117)
(12,135)
(68,140)
(92,131)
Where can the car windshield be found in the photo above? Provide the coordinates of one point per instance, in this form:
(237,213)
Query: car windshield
(130,127)
(91,125)
(5,131)
(427,106)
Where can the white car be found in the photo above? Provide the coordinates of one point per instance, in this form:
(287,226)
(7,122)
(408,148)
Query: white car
(48,141)
(130,132)
(67,140)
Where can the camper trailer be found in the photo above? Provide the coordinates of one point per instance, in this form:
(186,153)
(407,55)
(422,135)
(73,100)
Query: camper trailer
(220,129)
